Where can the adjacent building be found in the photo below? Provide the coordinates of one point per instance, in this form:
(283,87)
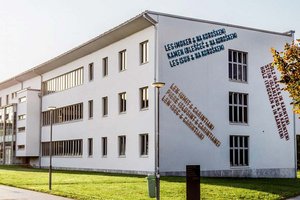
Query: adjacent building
(221,107)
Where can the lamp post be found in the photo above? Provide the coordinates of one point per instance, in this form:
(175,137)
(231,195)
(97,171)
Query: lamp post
(157,86)
(51,109)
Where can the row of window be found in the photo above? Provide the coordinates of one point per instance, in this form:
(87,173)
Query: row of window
(75,147)
(75,112)
(239,148)
(63,114)
(144,58)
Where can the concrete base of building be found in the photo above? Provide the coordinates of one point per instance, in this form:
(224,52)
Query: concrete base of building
(242,173)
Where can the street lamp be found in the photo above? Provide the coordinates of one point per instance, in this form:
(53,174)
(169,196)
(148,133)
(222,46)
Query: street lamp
(51,109)
(157,86)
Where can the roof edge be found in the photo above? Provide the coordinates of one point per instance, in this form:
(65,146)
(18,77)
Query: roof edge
(288,33)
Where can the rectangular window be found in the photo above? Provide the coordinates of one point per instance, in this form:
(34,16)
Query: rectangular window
(63,114)
(91,109)
(122,60)
(0,101)
(13,95)
(144,52)
(63,82)
(63,148)
(21,147)
(104,146)
(7,99)
(22,99)
(105,106)
(237,66)
(91,71)
(105,66)
(239,150)
(21,129)
(122,102)
(238,108)
(144,144)
(90,146)
(21,117)
(122,145)
(144,99)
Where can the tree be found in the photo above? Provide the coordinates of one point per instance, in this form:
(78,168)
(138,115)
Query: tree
(288,64)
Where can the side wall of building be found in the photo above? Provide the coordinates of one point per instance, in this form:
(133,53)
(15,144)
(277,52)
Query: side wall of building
(194,61)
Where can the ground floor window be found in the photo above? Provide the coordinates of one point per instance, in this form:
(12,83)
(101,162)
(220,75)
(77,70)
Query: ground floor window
(144,144)
(104,146)
(239,150)
(90,147)
(122,145)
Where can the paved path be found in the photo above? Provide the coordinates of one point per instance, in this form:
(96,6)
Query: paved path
(294,198)
(11,193)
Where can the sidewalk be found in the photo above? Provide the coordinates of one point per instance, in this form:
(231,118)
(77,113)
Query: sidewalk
(13,193)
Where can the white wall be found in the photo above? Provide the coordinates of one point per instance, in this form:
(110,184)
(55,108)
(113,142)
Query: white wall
(131,124)
(205,81)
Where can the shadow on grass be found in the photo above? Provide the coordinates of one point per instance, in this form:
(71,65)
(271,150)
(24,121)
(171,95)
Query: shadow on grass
(283,187)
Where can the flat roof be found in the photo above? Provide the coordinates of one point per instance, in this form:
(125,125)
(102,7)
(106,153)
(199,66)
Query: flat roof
(122,31)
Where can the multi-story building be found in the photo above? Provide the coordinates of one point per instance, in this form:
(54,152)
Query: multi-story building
(221,106)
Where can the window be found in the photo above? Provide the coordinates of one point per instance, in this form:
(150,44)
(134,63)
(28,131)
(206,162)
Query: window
(90,146)
(105,66)
(239,150)
(105,106)
(21,117)
(238,107)
(122,145)
(0,101)
(237,66)
(21,147)
(22,99)
(13,95)
(7,99)
(144,52)
(91,109)
(144,144)
(122,60)
(91,71)
(104,146)
(21,129)
(63,82)
(144,99)
(122,102)
(63,114)
(63,148)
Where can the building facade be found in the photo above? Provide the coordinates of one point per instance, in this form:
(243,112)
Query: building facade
(221,107)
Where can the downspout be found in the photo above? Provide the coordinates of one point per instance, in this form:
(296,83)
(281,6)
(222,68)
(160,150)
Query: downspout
(155,77)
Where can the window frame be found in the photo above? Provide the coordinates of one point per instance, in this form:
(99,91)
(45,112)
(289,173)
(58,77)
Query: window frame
(90,147)
(122,60)
(239,65)
(122,102)
(105,106)
(90,109)
(144,98)
(122,145)
(105,67)
(144,52)
(91,71)
(238,107)
(144,145)
(104,145)
(237,149)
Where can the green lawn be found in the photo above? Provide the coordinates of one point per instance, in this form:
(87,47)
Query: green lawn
(93,185)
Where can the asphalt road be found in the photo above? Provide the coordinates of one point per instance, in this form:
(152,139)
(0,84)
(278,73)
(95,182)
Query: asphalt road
(11,193)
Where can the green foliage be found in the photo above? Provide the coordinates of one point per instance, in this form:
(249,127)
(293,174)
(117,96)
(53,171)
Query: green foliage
(104,186)
(288,64)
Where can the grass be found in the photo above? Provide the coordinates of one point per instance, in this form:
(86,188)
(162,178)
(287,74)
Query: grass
(103,186)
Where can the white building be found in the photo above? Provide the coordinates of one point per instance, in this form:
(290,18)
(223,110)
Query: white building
(220,108)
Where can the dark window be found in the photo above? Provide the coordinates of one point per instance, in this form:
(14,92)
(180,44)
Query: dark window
(144,144)
(239,150)
(122,60)
(90,146)
(104,146)
(105,66)
(122,102)
(105,106)
(237,66)
(238,107)
(91,71)
(122,145)
(144,99)
(91,109)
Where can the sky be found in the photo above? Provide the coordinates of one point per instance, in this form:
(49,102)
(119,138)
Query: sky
(34,31)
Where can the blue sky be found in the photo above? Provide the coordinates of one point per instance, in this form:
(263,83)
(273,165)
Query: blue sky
(34,31)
